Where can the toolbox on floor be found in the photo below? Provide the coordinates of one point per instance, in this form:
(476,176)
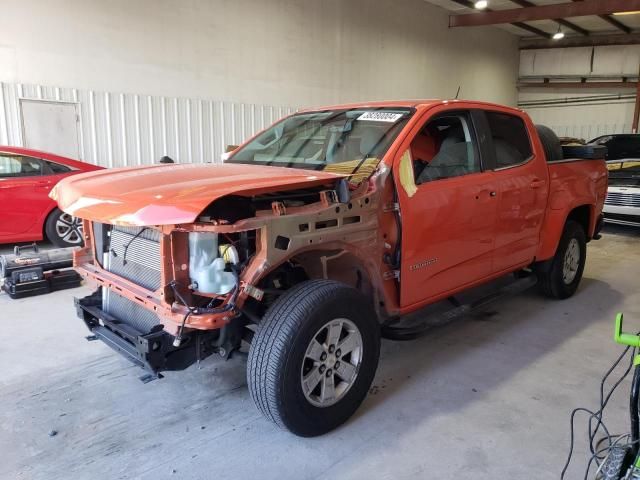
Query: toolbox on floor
(35,272)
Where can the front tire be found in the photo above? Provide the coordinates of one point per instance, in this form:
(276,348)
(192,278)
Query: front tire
(314,356)
(560,277)
(63,230)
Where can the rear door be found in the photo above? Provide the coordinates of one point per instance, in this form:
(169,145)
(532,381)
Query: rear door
(522,186)
(25,183)
(448,208)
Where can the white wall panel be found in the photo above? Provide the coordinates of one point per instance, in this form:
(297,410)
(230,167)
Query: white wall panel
(579,112)
(580,115)
(278,52)
(118,129)
(612,60)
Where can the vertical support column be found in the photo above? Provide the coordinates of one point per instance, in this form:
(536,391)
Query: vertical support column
(636,110)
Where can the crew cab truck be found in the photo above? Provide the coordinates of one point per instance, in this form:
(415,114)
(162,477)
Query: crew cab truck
(316,232)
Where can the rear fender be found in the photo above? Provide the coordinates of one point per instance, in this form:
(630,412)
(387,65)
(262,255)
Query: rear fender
(557,216)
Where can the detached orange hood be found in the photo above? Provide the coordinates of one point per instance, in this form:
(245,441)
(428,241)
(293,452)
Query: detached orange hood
(171,194)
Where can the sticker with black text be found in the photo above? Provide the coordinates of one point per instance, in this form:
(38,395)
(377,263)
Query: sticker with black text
(381,116)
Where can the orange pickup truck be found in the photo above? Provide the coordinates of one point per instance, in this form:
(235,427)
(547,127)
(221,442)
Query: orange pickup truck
(321,232)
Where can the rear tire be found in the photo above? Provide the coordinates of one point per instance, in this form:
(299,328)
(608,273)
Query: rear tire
(63,230)
(560,277)
(314,356)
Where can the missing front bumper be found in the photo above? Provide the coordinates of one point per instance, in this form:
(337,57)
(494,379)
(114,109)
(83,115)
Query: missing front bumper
(153,350)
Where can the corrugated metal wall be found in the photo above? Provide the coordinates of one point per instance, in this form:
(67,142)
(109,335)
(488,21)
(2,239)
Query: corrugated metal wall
(118,129)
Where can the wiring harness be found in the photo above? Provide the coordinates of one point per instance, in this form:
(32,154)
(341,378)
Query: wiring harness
(601,448)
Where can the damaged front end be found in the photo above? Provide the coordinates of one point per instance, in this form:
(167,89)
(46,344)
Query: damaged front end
(163,300)
(169,296)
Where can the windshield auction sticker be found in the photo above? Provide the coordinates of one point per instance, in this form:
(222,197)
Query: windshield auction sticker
(381,117)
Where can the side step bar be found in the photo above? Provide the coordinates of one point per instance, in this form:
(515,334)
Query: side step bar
(401,329)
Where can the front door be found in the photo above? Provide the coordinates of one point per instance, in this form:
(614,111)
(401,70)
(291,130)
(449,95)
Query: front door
(449,214)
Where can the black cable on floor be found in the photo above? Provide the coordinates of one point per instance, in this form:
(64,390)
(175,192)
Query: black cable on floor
(596,415)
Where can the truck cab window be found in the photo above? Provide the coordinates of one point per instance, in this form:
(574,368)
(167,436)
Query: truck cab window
(444,148)
(510,139)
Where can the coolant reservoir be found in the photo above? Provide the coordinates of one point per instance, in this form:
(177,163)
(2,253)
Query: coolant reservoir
(206,267)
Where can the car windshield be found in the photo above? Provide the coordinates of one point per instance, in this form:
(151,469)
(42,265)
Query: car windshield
(350,141)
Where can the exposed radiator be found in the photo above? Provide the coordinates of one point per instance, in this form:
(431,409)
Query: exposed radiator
(134,254)
(136,258)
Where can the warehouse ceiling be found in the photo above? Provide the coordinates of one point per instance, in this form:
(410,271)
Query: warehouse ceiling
(522,18)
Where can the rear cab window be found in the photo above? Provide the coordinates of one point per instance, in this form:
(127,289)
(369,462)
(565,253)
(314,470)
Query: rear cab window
(510,138)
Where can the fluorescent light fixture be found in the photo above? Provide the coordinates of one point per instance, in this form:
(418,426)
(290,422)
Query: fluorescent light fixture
(481,4)
(634,12)
(559,35)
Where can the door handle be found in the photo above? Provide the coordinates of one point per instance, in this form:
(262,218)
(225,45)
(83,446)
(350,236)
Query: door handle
(537,183)
(492,193)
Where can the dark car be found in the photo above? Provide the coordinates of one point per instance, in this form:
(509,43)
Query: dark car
(620,146)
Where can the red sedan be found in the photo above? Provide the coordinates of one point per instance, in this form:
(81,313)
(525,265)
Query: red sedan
(26,211)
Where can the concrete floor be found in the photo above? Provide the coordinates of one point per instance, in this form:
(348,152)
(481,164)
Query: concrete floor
(487,397)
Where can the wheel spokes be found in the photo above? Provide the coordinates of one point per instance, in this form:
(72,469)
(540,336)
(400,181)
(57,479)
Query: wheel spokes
(311,380)
(328,393)
(335,329)
(331,362)
(347,344)
(66,222)
(315,350)
(346,371)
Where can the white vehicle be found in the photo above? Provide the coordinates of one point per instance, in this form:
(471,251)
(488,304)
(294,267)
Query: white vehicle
(622,204)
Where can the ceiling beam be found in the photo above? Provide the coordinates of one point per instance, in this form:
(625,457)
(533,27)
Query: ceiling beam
(544,12)
(612,21)
(524,26)
(590,41)
(566,23)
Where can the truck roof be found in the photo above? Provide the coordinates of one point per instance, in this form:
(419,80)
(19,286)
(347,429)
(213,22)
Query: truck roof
(420,103)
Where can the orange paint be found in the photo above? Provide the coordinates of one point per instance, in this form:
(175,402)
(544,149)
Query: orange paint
(455,232)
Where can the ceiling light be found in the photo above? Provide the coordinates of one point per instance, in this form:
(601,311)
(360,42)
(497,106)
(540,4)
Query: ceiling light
(634,12)
(481,4)
(559,35)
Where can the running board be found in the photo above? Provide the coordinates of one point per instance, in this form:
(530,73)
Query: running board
(400,329)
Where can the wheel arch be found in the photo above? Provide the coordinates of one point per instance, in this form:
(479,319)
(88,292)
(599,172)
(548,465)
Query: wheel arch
(554,225)
(44,219)
(338,264)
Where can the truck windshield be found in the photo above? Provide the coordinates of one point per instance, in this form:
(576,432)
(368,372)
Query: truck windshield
(351,142)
